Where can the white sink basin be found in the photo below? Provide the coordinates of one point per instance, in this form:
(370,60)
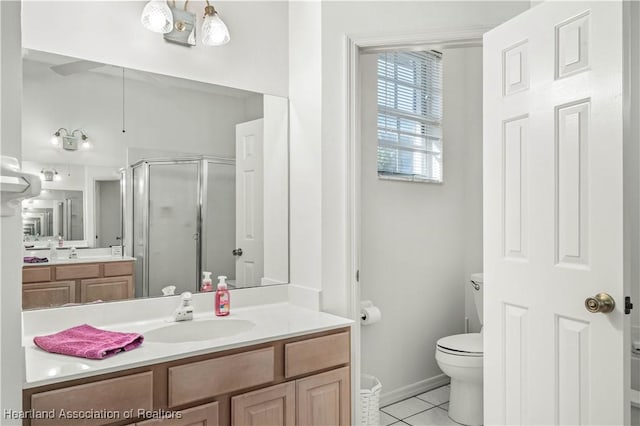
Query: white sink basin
(195,331)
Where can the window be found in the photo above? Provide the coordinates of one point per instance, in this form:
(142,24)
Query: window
(410,116)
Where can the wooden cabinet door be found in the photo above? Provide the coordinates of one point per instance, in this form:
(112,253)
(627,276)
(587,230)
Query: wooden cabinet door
(202,415)
(116,288)
(44,295)
(273,406)
(324,399)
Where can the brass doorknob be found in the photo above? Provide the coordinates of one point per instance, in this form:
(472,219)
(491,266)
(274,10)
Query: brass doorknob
(602,302)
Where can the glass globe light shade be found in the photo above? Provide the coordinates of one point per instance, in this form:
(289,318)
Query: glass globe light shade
(157,17)
(214,31)
(55,141)
(57,177)
(86,144)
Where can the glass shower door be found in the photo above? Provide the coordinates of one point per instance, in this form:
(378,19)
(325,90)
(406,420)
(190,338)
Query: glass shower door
(174,230)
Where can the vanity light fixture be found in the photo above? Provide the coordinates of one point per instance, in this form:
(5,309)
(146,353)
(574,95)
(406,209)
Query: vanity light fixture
(71,141)
(182,29)
(50,175)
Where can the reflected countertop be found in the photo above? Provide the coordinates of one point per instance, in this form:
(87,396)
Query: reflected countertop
(79,259)
(271,322)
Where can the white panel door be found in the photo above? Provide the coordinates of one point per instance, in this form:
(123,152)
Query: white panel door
(249,202)
(553,216)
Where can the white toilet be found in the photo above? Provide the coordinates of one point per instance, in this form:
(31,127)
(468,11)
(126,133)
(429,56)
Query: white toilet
(460,357)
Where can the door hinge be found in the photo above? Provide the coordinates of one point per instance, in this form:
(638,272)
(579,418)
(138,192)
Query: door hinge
(628,306)
(358,276)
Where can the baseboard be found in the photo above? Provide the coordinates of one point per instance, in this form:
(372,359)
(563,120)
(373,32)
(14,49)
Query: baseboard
(413,389)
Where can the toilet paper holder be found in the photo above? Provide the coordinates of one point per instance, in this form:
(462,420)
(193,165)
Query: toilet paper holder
(364,304)
(366,308)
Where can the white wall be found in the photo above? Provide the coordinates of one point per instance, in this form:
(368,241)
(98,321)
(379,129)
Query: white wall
(110,32)
(163,118)
(276,203)
(419,241)
(11,358)
(305,147)
(369,18)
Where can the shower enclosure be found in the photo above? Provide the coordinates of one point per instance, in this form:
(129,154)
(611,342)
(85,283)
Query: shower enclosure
(183,222)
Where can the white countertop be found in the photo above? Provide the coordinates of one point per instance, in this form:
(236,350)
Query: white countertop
(80,259)
(272,322)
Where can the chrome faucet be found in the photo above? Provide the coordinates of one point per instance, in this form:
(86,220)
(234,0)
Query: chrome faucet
(184,312)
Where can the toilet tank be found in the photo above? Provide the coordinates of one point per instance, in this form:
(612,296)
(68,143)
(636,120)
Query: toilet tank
(477,287)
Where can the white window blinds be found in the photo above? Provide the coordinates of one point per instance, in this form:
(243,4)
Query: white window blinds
(410,116)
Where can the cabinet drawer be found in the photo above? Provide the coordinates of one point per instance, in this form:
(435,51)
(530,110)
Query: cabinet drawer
(204,379)
(206,415)
(36,274)
(316,354)
(111,396)
(116,269)
(44,295)
(72,272)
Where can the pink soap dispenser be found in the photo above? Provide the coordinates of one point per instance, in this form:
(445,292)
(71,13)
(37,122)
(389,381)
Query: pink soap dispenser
(207,285)
(223,298)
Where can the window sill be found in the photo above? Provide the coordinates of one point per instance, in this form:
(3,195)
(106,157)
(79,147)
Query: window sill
(405,178)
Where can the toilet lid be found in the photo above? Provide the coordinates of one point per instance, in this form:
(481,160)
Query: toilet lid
(470,343)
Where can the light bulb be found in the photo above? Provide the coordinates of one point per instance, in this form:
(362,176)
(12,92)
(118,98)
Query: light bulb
(85,142)
(55,140)
(157,17)
(42,176)
(214,31)
(57,177)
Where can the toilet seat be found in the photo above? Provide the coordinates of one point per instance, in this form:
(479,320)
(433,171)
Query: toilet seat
(466,345)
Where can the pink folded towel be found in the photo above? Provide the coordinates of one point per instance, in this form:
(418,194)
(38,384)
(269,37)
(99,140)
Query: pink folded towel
(88,342)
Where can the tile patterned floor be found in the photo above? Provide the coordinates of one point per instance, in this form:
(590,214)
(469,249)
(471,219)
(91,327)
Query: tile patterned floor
(427,409)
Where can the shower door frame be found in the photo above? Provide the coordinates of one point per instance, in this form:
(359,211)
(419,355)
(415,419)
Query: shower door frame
(202,163)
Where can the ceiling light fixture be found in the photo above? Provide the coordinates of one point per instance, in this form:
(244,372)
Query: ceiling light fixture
(182,29)
(157,17)
(71,141)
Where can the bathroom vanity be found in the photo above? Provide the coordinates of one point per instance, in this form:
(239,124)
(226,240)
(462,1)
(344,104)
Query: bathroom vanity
(77,281)
(291,367)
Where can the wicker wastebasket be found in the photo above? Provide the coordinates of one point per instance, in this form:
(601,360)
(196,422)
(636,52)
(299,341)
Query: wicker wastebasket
(370,388)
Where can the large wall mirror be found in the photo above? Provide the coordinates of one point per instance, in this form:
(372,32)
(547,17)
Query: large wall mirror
(186,176)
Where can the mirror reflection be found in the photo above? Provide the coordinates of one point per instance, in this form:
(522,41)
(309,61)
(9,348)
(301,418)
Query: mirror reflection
(55,213)
(173,177)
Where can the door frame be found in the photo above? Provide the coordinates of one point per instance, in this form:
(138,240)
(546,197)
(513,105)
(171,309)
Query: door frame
(354,46)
